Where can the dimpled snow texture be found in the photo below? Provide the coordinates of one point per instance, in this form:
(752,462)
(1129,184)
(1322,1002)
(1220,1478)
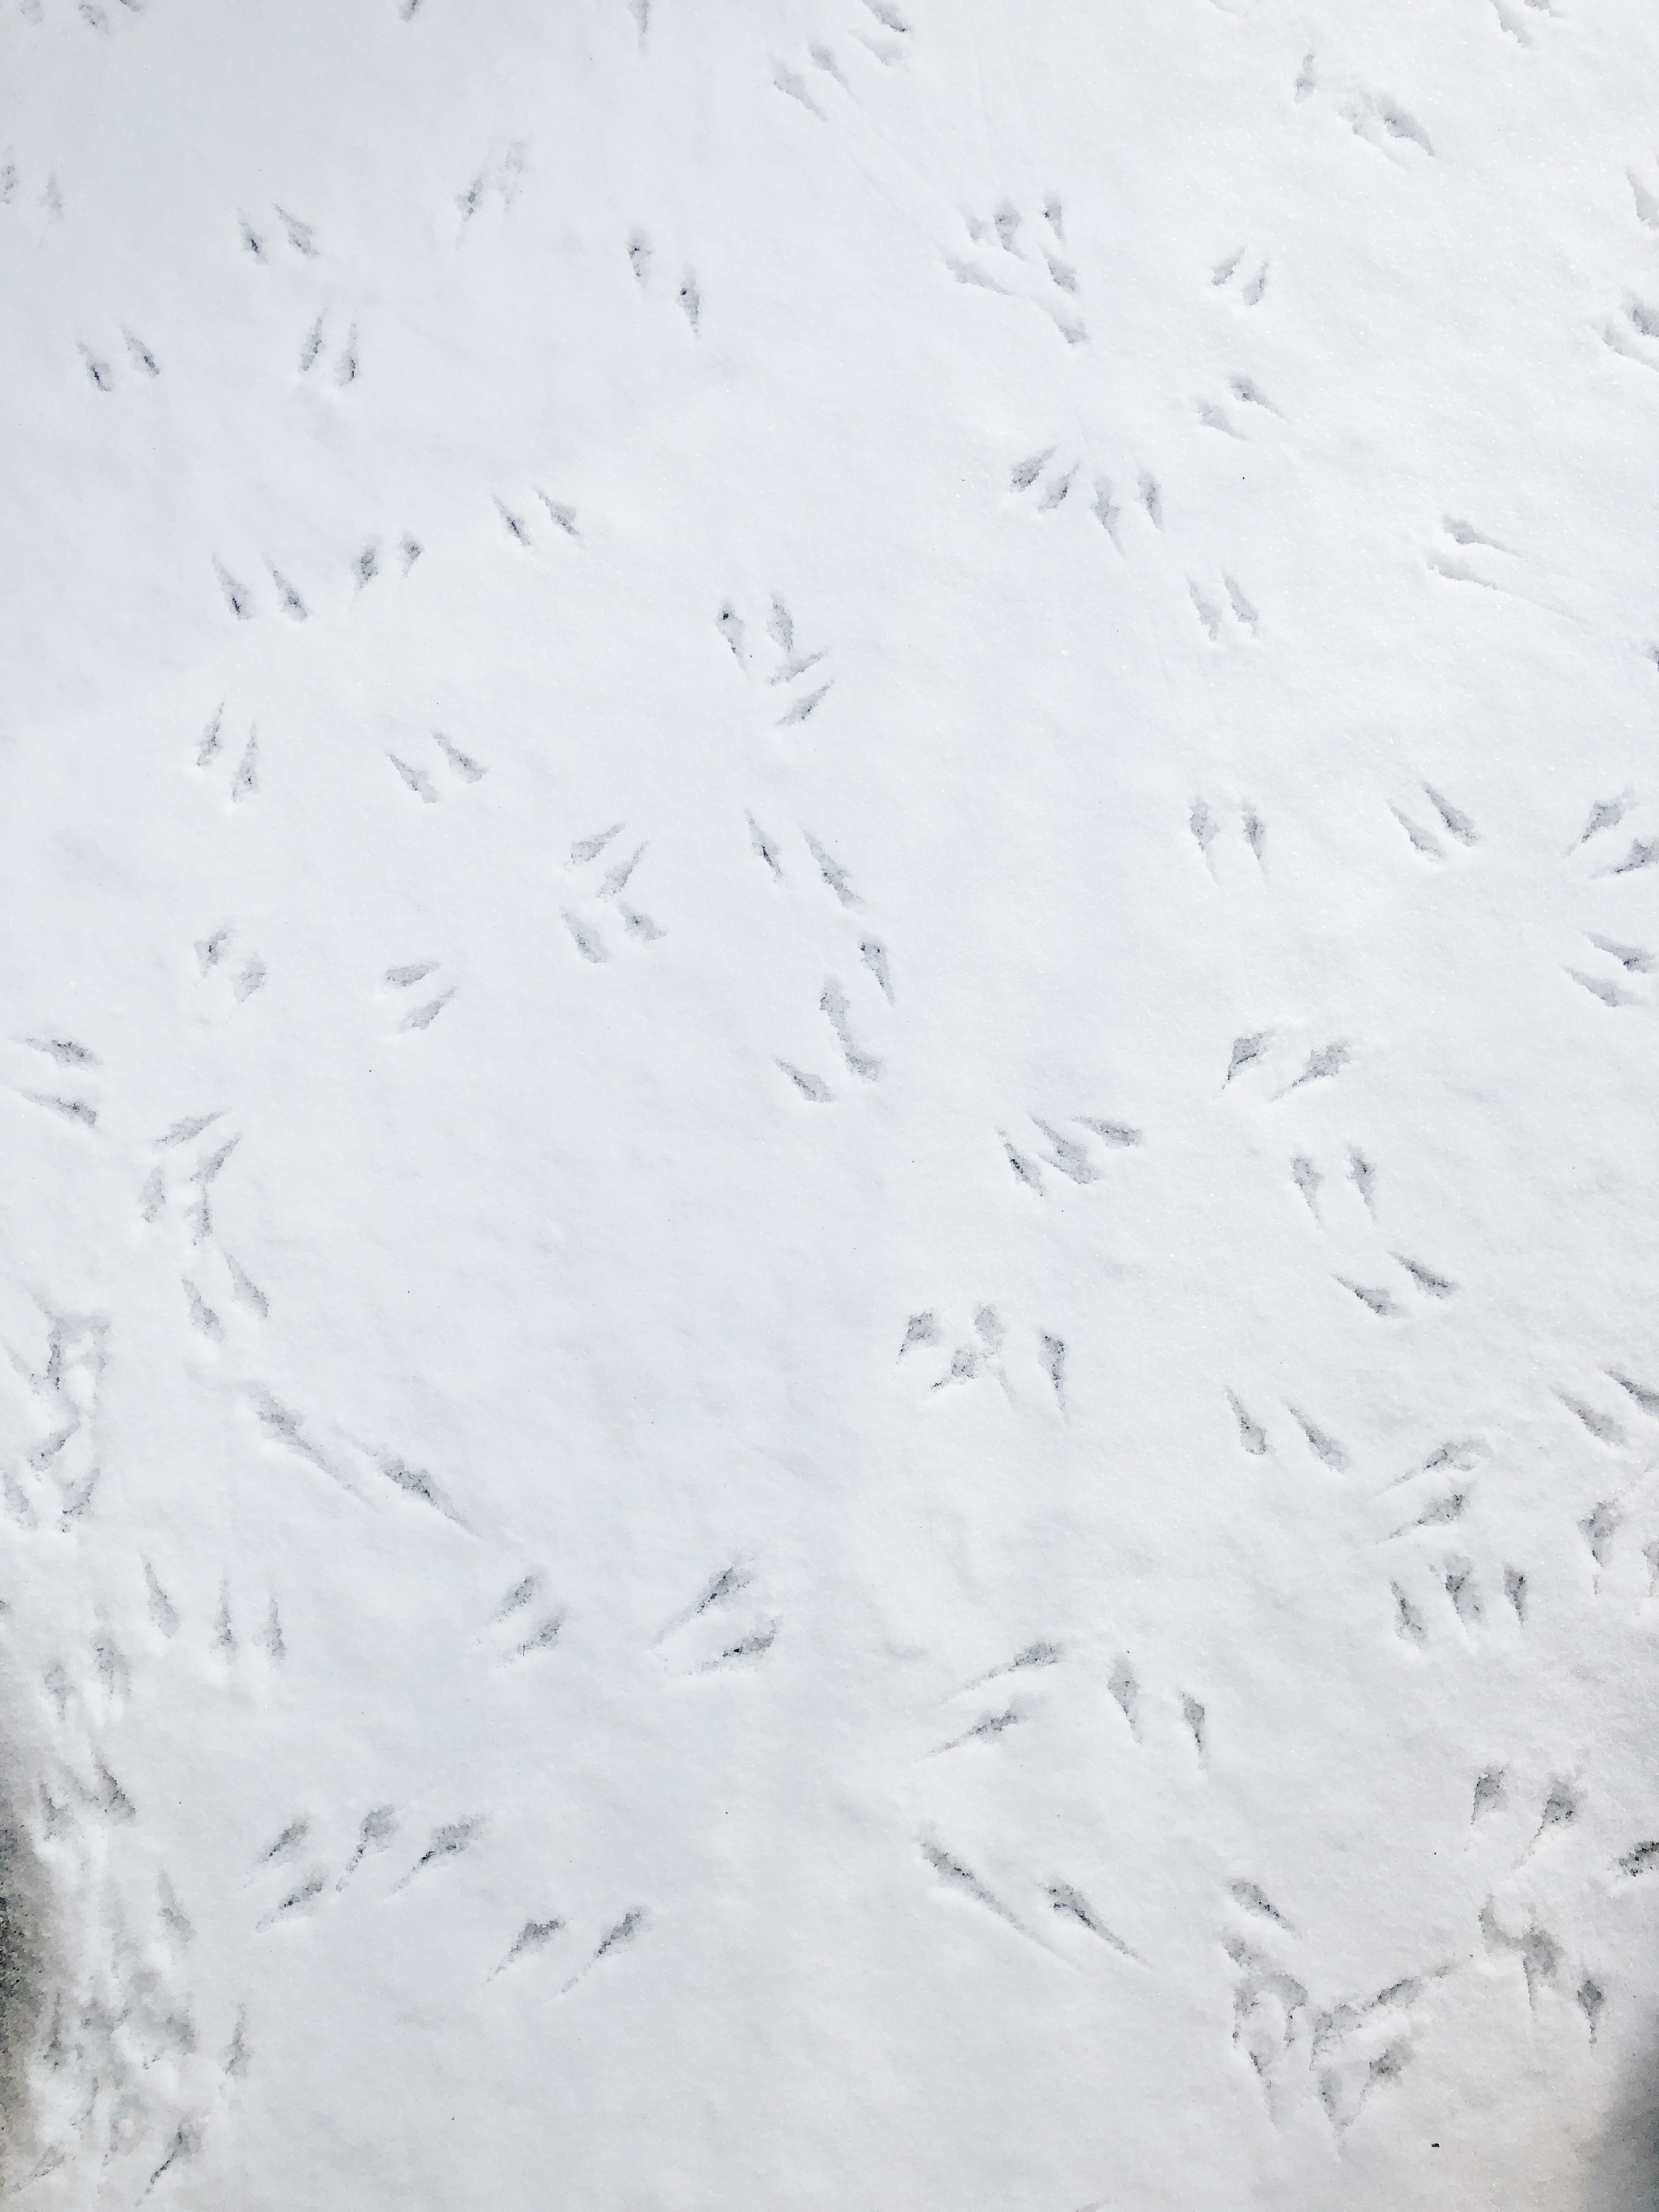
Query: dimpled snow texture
(829,834)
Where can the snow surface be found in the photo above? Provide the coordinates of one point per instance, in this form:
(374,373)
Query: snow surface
(827,1090)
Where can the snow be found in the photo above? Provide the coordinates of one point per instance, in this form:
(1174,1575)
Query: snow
(828,1052)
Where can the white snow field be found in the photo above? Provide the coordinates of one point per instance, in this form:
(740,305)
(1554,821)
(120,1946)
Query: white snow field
(827,1074)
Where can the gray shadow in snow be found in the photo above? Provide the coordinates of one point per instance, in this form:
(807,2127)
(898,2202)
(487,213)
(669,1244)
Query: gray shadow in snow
(24,1903)
(1624,2171)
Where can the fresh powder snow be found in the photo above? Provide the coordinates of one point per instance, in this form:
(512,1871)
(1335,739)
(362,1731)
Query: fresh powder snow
(828,1071)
